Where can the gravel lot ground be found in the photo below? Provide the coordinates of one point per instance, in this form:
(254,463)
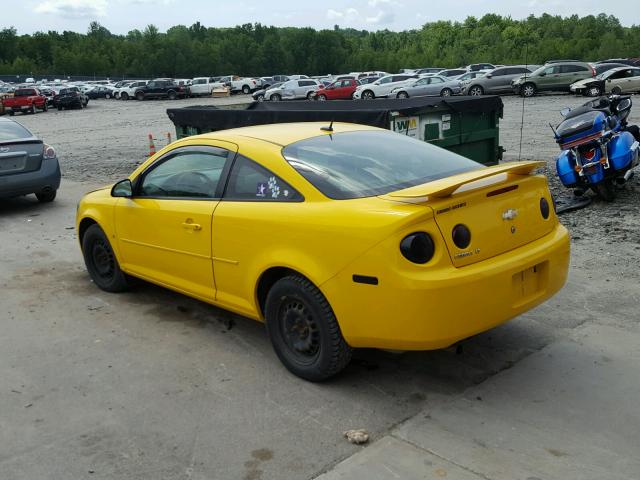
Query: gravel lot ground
(151,384)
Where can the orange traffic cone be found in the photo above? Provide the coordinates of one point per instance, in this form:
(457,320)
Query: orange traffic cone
(152,147)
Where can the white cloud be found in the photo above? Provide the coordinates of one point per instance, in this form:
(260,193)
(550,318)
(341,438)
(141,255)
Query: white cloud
(348,16)
(73,8)
(383,17)
(384,3)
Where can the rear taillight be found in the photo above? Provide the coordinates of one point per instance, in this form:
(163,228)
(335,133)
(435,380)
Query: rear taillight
(461,236)
(593,72)
(589,154)
(49,152)
(544,208)
(417,247)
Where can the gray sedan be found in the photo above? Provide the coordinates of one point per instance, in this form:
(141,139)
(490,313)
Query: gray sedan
(27,165)
(435,85)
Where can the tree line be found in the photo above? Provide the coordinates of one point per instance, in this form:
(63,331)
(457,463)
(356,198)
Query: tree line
(258,50)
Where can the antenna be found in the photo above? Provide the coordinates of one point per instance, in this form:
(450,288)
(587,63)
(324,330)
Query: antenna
(526,51)
(329,128)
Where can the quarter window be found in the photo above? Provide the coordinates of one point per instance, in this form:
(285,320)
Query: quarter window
(250,181)
(186,174)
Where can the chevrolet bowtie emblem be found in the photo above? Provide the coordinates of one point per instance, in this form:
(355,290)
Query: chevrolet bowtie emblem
(510,214)
(4,149)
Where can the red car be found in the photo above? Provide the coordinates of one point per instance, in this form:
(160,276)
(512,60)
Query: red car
(338,90)
(25,100)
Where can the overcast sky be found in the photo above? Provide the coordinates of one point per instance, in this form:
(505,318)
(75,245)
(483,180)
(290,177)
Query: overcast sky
(120,16)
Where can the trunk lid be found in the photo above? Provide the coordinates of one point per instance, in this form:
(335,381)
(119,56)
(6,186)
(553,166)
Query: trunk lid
(499,205)
(20,156)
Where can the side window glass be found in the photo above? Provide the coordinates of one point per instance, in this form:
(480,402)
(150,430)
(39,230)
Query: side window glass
(252,182)
(499,73)
(188,174)
(437,80)
(549,70)
(385,80)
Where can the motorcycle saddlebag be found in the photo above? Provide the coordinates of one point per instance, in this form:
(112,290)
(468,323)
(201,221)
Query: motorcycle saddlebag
(622,150)
(564,167)
(581,129)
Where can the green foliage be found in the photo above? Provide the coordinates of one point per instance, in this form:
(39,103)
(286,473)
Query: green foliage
(255,49)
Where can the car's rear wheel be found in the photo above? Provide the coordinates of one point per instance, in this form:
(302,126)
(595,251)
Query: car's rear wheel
(45,107)
(402,95)
(107,96)
(476,91)
(59,108)
(446,92)
(101,262)
(616,91)
(528,90)
(32,109)
(171,95)
(46,196)
(310,95)
(276,97)
(11,113)
(139,96)
(304,330)
(124,96)
(246,90)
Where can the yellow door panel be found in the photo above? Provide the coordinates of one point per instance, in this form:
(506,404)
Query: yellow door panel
(168,241)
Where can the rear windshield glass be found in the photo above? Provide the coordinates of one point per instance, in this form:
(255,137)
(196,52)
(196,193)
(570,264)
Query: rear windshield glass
(24,93)
(367,163)
(12,131)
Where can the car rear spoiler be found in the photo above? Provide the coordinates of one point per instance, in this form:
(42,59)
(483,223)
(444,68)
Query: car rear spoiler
(444,187)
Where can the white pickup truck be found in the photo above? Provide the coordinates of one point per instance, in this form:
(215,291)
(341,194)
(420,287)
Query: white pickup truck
(203,86)
(239,84)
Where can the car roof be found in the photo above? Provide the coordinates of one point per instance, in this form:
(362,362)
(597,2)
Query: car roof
(282,133)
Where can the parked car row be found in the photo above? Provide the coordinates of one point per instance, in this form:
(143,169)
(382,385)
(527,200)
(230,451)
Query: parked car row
(30,100)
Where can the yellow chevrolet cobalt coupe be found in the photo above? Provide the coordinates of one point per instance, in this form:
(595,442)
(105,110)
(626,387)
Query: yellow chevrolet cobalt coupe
(336,236)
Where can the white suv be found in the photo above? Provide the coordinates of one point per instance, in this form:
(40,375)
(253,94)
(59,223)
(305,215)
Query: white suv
(381,87)
(129,90)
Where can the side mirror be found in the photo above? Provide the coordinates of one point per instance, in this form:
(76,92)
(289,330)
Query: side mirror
(542,74)
(122,189)
(565,111)
(489,75)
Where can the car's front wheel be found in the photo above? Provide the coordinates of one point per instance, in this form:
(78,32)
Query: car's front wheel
(322,97)
(476,91)
(528,90)
(275,97)
(304,330)
(446,92)
(368,95)
(124,96)
(101,262)
(402,95)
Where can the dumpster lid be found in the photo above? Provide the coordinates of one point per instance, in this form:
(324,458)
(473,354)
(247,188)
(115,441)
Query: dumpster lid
(376,113)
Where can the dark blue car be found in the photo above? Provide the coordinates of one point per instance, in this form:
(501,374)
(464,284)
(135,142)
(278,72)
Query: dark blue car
(27,164)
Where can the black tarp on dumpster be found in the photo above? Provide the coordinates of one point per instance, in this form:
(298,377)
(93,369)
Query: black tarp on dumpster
(377,113)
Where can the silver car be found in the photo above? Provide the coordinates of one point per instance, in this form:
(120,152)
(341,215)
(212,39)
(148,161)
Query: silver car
(497,80)
(293,90)
(435,85)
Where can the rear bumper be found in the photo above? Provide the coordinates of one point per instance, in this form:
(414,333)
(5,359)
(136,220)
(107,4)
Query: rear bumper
(432,309)
(47,177)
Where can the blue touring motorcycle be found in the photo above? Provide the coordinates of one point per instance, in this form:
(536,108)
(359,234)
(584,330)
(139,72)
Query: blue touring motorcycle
(599,148)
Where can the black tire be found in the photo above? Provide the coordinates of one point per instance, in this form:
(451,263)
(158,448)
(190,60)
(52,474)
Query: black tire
(310,95)
(139,95)
(107,96)
(322,97)
(11,113)
(368,95)
(260,98)
(476,91)
(124,96)
(246,90)
(446,92)
(45,107)
(616,91)
(275,97)
(59,108)
(32,110)
(101,262)
(606,190)
(528,90)
(593,91)
(402,95)
(46,197)
(171,95)
(304,330)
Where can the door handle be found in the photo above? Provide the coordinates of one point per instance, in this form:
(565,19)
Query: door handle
(191,226)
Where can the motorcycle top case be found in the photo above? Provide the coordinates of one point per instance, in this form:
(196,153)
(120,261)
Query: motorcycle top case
(581,129)
(622,150)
